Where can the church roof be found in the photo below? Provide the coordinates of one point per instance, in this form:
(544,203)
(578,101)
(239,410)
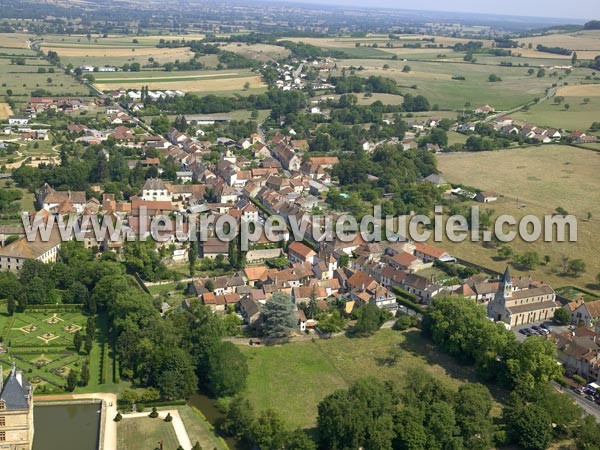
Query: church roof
(506,276)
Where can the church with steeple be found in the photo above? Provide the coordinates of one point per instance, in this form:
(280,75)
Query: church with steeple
(16,411)
(520,301)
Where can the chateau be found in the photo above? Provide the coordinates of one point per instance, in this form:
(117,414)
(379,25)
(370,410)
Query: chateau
(16,412)
(519,304)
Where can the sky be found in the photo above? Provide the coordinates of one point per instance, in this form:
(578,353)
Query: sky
(567,9)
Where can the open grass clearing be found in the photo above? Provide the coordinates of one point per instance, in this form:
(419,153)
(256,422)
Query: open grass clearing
(579,116)
(434,80)
(541,178)
(294,378)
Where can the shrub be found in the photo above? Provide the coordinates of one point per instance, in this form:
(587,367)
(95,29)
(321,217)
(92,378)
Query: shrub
(154,413)
(118,417)
(169,418)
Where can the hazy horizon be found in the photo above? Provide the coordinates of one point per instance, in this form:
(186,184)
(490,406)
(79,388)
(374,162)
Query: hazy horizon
(556,9)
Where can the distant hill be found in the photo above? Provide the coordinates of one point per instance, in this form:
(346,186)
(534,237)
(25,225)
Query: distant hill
(592,25)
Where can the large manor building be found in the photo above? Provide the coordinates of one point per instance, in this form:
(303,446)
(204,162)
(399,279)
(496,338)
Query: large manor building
(522,303)
(16,412)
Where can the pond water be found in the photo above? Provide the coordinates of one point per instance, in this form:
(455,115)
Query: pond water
(208,407)
(66,427)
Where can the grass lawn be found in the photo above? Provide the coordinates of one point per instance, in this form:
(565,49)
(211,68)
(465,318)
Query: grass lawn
(542,178)
(292,379)
(145,433)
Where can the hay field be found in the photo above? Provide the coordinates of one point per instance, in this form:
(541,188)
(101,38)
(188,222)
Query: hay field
(104,52)
(585,43)
(258,52)
(386,99)
(542,178)
(5,111)
(208,83)
(583,90)
(14,40)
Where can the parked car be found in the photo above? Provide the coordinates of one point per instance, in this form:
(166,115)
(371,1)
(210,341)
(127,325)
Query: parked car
(578,391)
(536,328)
(524,331)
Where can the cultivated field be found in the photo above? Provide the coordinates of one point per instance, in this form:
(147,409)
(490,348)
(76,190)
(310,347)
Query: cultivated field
(292,379)
(189,81)
(585,43)
(258,52)
(542,179)
(5,111)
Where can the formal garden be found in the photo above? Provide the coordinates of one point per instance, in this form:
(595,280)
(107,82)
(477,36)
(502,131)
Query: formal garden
(41,341)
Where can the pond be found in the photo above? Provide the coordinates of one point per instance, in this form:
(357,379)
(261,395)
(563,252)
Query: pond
(66,427)
(208,407)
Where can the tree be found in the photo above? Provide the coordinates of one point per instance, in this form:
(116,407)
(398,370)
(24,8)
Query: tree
(559,99)
(531,427)
(193,257)
(562,317)
(473,407)
(406,69)
(588,435)
(77,341)
(528,260)
(564,413)
(586,100)
(84,376)
(11,305)
(298,440)
(533,364)
(239,418)
(279,318)
(541,73)
(227,369)
(173,373)
(574,59)
(493,78)
(358,417)
(576,267)
(154,413)
(567,106)
(72,379)
(505,252)
(368,320)
(89,343)
(268,431)
(197,446)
